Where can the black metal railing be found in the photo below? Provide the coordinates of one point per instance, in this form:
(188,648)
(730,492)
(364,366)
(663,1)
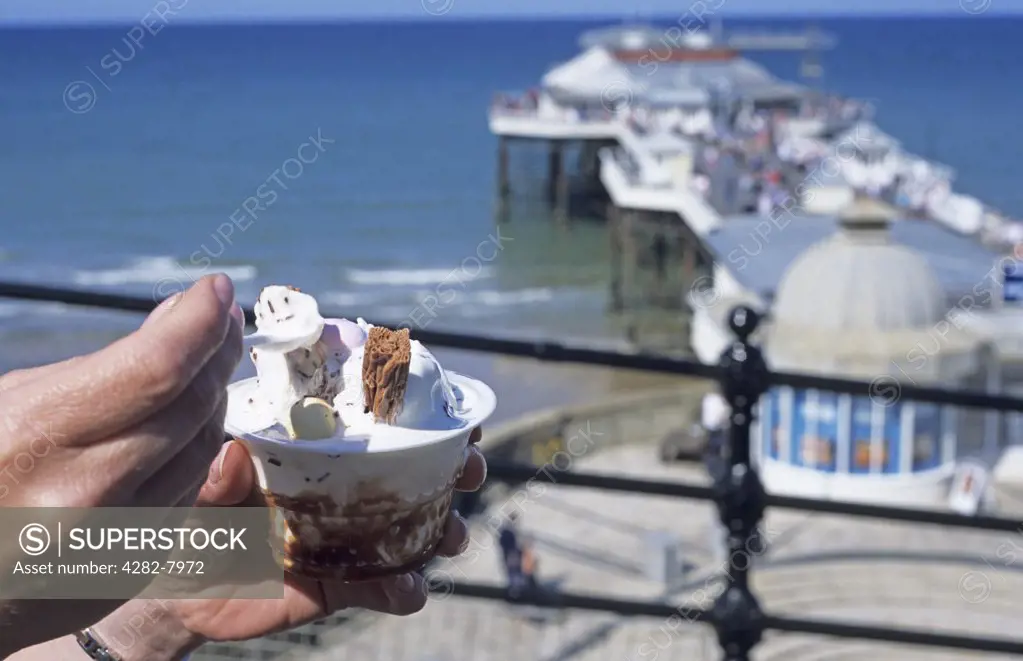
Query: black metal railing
(736,488)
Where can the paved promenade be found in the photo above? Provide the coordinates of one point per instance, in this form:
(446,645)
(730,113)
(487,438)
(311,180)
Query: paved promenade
(816,566)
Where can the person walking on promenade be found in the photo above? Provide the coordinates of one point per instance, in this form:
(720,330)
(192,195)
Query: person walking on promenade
(511,549)
(520,558)
(530,566)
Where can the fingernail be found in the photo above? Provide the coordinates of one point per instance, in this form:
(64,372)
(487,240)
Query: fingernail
(239,316)
(464,546)
(469,452)
(217,467)
(224,288)
(405,584)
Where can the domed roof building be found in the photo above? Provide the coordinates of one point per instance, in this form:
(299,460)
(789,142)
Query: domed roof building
(858,305)
(859,279)
(861,305)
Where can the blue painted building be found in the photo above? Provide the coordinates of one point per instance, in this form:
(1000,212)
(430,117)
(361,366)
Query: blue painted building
(835,433)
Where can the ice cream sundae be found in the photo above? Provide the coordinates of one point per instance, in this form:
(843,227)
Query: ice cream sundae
(357,434)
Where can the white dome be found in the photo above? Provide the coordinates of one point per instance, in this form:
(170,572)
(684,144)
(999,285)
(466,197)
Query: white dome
(859,280)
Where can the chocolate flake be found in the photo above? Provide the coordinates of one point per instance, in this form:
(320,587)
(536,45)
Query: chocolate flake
(385,370)
(274,460)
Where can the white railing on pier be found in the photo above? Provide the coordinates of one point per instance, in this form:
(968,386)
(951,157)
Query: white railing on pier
(633,190)
(567,124)
(652,173)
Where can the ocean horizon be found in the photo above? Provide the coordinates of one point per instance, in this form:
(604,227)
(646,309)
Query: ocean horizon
(975,10)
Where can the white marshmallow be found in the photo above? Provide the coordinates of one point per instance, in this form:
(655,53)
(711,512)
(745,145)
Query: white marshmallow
(311,419)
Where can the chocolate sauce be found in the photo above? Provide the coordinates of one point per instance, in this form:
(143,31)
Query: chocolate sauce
(357,541)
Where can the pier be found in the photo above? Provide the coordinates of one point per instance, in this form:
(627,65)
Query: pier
(685,138)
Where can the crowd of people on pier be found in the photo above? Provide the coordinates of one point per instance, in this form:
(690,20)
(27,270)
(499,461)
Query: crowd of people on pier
(769,165)
(750,159)
(741,161)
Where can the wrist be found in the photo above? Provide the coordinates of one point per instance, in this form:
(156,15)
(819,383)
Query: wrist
(146,630)
(16,630)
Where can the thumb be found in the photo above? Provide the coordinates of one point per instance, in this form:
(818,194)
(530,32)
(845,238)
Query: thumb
(231,478)
(165,306)
(128,382)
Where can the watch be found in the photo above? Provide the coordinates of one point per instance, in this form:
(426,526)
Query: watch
(93,647)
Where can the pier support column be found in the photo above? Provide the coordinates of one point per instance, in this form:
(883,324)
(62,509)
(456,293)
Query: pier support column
(561,200)
(627,241)
(614,225)
(589,162)
(661,255)
(589,170)
(690,258)
(554,168)
(629,218)
(688,262)
(557,181)
(502,207)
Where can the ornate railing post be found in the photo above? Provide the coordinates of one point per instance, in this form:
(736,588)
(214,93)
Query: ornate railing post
(738,491)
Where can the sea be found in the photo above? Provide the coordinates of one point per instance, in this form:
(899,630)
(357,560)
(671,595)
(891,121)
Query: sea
(354,161)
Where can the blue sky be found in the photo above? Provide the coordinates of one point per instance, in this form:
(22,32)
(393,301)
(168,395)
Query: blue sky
(49,11)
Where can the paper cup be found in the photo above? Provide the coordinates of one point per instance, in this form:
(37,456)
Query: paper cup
(359,507)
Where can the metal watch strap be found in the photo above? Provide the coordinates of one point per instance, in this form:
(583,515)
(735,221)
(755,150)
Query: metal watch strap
(90,645)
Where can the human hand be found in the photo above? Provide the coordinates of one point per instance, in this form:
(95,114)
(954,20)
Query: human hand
(231,481)
(134,424)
